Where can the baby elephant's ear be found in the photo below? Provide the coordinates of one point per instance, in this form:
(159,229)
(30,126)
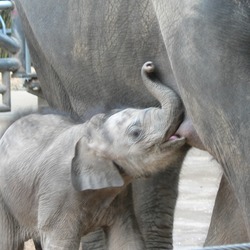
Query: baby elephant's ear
(89,171)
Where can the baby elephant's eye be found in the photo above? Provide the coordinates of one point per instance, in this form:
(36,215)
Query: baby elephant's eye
(135,132)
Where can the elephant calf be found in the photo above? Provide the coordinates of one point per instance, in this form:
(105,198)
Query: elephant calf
(60,180)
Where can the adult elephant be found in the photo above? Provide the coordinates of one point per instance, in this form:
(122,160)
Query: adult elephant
(88,56)
(208,47)
(83,52)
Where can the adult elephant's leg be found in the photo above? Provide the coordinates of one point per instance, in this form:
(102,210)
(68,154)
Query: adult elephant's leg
(56,94)
(154,201)
(227,225)
(208,46)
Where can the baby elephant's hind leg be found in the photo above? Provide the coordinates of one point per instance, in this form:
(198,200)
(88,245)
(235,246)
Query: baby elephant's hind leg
(9,230)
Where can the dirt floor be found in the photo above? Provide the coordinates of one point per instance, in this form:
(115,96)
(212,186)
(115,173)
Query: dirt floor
(198,185)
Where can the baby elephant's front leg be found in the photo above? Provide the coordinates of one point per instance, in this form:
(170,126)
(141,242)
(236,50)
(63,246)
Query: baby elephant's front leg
(124,233)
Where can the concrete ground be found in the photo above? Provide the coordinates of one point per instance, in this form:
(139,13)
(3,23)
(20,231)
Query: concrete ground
(198,186)
(199,182)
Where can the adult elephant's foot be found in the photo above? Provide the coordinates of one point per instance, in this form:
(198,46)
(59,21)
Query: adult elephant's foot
(188,131)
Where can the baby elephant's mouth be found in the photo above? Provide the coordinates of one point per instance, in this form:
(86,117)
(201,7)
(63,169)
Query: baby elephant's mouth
(119,168)
(173,142)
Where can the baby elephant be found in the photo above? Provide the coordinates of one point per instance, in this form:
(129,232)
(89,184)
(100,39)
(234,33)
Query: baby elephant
(59,179)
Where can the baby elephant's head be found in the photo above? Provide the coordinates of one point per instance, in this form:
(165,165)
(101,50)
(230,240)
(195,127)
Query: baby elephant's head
(137,142)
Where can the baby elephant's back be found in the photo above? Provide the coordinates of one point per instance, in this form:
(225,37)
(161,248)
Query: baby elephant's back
(27,138)
(25,149)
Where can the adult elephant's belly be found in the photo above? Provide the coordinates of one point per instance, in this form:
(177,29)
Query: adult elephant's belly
(90,62)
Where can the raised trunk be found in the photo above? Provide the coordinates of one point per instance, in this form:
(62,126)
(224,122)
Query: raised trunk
(162,93)
(171,104)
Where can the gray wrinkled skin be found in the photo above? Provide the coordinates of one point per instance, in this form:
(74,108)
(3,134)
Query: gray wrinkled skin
(63,180)
(208,46)
(201,49)
(228,222)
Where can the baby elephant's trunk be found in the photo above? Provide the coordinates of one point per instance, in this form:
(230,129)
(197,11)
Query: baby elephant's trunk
(171,104)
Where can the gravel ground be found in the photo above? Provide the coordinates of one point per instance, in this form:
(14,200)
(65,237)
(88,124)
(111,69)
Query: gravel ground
(198,186)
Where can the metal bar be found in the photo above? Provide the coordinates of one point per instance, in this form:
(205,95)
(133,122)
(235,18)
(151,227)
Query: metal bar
(4,108)
(6,95)
(9,64)
(27,59)
(6,5)
(2,88)
(8,31)
(3,25)
(9,43)
(243,246)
